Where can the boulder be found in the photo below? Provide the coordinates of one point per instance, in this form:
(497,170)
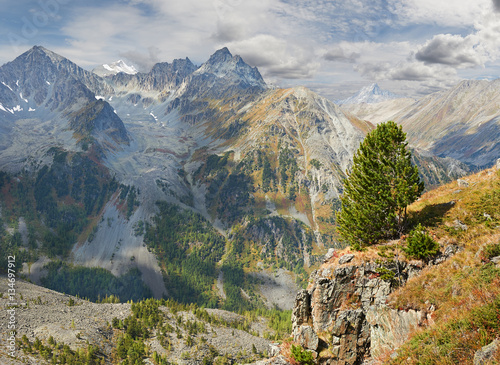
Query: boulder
(487,353)
(274,349)
(329,254)
(462,183)
(459,225)
(346,258)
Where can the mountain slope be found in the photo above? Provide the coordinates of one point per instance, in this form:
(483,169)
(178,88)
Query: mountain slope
(41,91)
(378,112)
(246,178)
(462,122)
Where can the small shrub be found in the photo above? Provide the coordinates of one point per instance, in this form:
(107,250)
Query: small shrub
(420,245)
(386,274)
(491,250)
(302,356)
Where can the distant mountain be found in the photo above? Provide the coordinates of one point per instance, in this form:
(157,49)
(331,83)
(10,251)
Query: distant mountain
(114,68)
(206,167)
(378,112)
(462,122)
(369,94)
(46,91)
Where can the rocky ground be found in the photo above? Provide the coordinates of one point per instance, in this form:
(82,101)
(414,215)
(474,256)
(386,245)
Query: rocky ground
(43,313)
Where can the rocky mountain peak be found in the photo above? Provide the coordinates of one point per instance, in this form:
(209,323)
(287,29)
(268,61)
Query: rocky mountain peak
(223,65)
(39,68)
(370,94)
(220,56)
(180,67)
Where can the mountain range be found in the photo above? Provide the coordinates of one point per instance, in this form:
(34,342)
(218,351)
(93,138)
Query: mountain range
(246,177)
(461,122)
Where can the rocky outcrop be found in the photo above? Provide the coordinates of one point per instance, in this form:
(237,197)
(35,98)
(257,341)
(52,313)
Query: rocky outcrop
(345,307)
(389,328)
(487,354)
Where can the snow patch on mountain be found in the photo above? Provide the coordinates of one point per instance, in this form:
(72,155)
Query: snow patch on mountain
(7,86)
(114,68)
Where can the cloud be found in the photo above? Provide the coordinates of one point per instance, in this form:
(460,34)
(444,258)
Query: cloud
(144,62)
(405,71)
(338,54)
(276,57)
(496,5)
(452,50)
(458,13)
(228,32)
(475,49)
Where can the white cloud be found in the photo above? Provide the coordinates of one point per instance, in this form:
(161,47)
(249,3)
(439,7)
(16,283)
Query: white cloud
(452,50)
(277,58)
(459,13)
(406,71)
(462,52)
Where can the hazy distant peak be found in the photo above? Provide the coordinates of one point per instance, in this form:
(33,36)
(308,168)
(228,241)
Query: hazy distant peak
(370,94)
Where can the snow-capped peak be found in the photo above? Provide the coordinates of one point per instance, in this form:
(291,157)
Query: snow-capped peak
(114,68)
(369,94)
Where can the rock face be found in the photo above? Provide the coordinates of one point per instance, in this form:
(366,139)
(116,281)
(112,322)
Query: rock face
(345,307)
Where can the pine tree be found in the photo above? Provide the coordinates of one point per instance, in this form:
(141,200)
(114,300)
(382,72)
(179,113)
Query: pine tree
(381,184)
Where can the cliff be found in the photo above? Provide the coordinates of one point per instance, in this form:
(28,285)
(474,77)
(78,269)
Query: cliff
(342,316)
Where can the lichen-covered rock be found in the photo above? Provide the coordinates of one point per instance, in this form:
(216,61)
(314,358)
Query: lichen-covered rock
(352,333)
(390,328)
(302,309)
(341,306)
(306,337)
(487,353)
(329,254)
(345,259)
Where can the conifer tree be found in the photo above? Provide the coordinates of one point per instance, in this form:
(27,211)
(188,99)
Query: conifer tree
(381,184)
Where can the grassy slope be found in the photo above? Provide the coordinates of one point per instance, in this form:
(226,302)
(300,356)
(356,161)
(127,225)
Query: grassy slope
(462,295)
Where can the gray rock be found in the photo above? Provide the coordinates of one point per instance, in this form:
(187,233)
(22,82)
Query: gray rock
(483,356)
(306,337)
(329,254)
(462,183)
(278,360)
(390,328)
(346,258)
(457,224)
(274,349)
(496,260)
(451,250)
(498,164)
(302,308)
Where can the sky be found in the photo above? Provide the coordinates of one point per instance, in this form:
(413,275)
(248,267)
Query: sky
(334,47)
